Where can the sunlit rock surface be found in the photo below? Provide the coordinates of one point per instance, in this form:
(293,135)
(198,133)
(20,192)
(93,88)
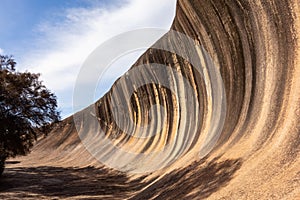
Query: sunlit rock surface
(254,153)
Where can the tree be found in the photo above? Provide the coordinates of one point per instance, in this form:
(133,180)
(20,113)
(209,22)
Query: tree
(26,105)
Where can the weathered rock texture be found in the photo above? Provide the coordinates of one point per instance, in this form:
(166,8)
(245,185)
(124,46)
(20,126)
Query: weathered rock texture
(256,46)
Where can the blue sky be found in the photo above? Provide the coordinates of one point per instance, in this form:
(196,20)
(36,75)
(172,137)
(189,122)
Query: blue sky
(54,37)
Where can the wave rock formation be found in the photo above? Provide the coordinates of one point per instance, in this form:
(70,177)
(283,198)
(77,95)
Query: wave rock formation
(181,137)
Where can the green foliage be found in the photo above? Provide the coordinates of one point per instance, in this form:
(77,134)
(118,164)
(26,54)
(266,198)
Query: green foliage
(25,106)
(2,164)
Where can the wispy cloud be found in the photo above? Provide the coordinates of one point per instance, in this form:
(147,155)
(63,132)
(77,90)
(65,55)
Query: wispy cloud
(1,51)
(63,46)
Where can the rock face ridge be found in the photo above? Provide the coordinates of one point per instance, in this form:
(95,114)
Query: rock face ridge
(255,46)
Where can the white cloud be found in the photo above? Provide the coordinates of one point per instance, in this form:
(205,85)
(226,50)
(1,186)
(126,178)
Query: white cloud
(1,51)
(63,46)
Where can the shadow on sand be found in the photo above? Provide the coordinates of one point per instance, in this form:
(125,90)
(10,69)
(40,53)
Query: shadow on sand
(12,162)
(67,182)
(198,180)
